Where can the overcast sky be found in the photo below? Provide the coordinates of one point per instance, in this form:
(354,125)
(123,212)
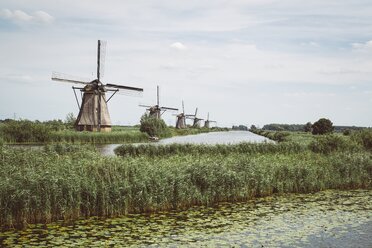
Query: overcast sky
(245,62)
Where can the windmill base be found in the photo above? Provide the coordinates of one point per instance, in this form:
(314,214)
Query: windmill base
(91,128)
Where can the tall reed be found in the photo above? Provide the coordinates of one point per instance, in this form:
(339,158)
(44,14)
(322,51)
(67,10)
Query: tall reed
(67,182)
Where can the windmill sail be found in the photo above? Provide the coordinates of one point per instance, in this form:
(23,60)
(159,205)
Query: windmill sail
(101,58)
(57,76)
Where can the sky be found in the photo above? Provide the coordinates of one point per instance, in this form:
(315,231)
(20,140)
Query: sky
(244,62)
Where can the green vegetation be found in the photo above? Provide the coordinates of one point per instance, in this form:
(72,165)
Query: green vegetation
(69,182)
(153,126)
(277,136)
(304,127)
(284,127)
(25,131)
(212,150)
(322,126)
(363,137)
(123,136)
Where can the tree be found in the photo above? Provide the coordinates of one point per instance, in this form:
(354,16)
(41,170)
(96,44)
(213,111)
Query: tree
(153,126)
(70,120)
(322,126)
(307,127)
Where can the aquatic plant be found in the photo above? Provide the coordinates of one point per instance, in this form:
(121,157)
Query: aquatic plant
(69,183)
(194,149)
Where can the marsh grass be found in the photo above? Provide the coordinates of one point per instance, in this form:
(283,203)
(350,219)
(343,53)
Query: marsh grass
(132,136)
(70,182)
(194,149)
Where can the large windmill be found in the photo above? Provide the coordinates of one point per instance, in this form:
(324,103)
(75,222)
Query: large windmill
(196,120)
(94,114)
(156,110)
(207,122)
(181,118)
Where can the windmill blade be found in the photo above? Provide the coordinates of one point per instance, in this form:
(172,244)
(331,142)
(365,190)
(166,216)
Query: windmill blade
(167,108)
(56,76)
(125,90)
(183,107)
(146,106)
(157,95)
(122,87)
(196,111)
(101,58)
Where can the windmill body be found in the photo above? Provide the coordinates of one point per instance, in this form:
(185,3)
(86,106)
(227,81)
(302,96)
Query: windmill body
(181,121)
(181,118)
(88,118)
(207,122)
(93,114)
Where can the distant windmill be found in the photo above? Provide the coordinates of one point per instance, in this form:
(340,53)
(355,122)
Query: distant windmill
(181,118)
(93,114)
(207,122)
(156,110)
(197,121)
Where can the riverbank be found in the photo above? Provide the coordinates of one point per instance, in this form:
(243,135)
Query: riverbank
(28,132)
(66,182)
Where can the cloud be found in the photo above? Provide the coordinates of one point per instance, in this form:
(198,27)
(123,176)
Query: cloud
(17,78)
(362,46)
(20,17)
(178,46)
(44,17)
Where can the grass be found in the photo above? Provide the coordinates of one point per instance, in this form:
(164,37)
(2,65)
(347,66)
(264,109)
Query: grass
(212,150)
(70,182)
(123,136)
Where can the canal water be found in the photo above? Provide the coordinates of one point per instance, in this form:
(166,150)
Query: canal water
(325,219)
(212,138)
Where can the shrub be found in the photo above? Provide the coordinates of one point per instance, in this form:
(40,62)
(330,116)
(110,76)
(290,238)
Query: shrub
(346,132)
(26,131)
(332,143)
(154,126)
(322,126)
(364,138)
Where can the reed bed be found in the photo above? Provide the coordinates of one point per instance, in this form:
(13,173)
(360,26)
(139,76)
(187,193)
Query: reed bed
(154,150)
(69,182)
(98,138)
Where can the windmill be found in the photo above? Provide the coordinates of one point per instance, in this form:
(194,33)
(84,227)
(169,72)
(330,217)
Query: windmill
(181,118)
(207,122)
(155,110)
(93,114)
(197,121)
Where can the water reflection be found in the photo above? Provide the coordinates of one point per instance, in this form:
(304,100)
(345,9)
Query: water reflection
(214,138)
(325,219)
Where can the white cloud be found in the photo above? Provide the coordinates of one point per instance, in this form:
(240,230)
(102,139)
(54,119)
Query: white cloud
(44,17)
(178,46)
(19,16)
(362,46)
